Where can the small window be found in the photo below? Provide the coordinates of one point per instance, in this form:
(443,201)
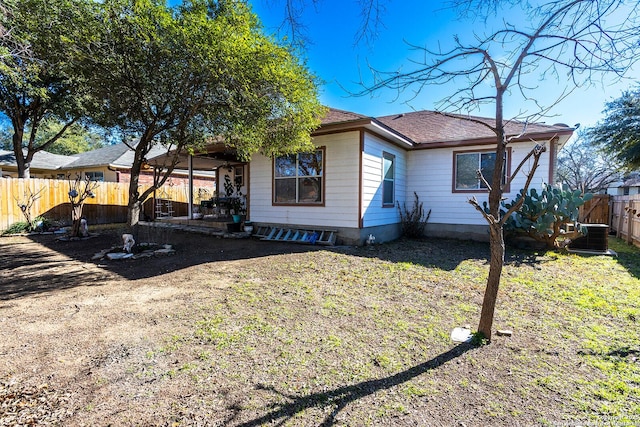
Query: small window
(238,174)
(95,176)
(388,179)
(625,191)
(298,178)
(466,166)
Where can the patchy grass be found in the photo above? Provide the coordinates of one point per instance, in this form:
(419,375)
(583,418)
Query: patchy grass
(361,336)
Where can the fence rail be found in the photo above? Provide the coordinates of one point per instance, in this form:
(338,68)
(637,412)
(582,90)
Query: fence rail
(108,206)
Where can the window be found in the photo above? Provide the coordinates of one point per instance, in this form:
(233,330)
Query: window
(298,178)
(94,176)
(238,174)
(388,179)
(466,165)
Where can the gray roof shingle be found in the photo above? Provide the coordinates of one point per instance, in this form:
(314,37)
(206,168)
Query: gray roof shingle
(41,160)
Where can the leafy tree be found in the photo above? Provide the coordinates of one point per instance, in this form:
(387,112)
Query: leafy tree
(578,40)
(619,133)
(583,167)
(76,139)
(38,74)
(194,74)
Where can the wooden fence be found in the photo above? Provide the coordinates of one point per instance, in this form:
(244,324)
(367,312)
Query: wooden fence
(596,210)
(625,218)
(108,206)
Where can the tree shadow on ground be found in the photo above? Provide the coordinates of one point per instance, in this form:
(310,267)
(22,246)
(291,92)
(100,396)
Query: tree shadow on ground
(447,254)
(627,256)
(38,264)
(443,254)
(340,397)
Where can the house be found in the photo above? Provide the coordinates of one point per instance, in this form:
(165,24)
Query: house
(364,166)
(629,186)
(43,165)
(111,163)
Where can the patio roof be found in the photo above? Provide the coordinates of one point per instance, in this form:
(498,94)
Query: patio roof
(210,157)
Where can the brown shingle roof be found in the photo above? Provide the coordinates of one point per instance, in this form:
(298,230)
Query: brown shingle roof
(426,127)
(430,127)
(334,116)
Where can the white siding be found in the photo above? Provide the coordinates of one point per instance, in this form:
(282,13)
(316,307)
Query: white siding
(431,177)
(373,213)
(341,187)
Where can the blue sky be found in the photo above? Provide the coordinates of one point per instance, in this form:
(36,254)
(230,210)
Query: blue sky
(334,57)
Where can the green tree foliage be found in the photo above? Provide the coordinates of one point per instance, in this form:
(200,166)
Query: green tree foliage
(183,77)
(39,79)
(76,138)
(543,214)
(619,132)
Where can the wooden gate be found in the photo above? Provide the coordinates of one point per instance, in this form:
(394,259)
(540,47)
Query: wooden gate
(596,210)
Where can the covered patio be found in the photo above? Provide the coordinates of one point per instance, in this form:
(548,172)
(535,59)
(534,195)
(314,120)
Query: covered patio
(230,200)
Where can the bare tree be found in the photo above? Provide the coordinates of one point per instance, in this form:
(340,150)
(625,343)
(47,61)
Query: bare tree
(579,39)
(26,204)
(293,24)
(79,190)
(582,166)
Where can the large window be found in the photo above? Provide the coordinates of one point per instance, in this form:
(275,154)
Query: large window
(466,166)
(298,178)
(388,179)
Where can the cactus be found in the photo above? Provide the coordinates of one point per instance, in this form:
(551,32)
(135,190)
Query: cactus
(543,214)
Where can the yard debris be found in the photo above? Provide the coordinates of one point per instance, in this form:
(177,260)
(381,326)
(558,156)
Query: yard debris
(141,250)
(461,335)
(31,405)
(504,332)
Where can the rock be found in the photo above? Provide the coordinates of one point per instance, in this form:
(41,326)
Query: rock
(504,332)
(164,252)
(461,335)
(118,255)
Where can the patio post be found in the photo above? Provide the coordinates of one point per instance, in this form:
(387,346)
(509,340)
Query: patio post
(190,196)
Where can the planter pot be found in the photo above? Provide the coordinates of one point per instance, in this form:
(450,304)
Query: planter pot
(248,229)
(236,218)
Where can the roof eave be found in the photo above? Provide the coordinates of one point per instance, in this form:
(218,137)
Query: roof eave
(492,140)
(370,124)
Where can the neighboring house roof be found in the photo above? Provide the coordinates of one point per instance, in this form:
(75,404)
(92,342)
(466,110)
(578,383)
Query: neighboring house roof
(117,155)
(41,160)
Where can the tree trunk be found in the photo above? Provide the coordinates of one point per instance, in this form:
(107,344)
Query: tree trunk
(76,215)
(23,167)
(496,245)
(133,214)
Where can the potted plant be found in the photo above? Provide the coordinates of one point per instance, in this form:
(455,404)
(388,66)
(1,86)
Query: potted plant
(236,204)
(235,199)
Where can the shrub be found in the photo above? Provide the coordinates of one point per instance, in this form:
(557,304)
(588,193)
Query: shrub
(543,214)
(415,220)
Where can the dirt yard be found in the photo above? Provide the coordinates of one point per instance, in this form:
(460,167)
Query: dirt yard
(243,332)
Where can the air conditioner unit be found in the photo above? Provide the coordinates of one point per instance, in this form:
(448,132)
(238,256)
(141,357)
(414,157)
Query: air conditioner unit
(594,240)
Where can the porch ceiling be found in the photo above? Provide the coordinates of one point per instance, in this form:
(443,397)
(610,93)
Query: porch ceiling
(210,157)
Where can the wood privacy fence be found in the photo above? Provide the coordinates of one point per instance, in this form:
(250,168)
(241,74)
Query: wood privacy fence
(108,206)
(596,210)
(625,218)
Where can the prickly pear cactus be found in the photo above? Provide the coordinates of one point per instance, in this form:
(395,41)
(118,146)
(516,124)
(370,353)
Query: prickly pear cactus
(543,213)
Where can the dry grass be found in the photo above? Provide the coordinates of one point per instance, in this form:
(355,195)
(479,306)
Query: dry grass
(310,336)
